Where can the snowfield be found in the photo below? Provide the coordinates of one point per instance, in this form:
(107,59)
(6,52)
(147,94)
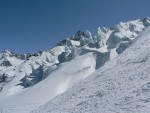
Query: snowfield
(106,73)
(120,86)
(55,84)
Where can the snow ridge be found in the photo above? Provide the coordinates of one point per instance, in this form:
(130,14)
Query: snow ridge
(56,70)
(120,86)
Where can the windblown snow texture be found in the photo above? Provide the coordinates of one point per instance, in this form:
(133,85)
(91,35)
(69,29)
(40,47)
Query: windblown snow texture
(103,73)
(120,86)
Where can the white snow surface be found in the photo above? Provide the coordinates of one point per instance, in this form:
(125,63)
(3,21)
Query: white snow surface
(28,81)
(122,85)
(59,81)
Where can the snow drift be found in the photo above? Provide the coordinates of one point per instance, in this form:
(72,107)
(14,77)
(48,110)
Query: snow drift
(27,81)
(120,86)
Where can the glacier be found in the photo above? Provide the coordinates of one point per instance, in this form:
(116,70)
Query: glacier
(122,85)
(84,73)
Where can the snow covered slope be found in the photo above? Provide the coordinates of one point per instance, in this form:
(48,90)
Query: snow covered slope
(120,86)
(58,82)
(28,81)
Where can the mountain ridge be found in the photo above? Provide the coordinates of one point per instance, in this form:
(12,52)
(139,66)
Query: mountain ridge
(64,65)
(120,86)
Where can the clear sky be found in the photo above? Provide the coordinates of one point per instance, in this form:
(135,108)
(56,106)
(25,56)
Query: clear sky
(33,25)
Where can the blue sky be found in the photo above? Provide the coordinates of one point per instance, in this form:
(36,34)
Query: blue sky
(33,25)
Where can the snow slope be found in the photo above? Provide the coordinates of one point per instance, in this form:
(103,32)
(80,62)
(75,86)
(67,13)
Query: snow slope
(59,81)
(28,81)
(121,86)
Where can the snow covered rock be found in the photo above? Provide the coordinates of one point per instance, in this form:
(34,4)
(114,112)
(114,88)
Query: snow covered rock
(54,71)
(120,86)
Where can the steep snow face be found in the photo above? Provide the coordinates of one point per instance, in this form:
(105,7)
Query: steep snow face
(120,86)
(56,83)
(27,73)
